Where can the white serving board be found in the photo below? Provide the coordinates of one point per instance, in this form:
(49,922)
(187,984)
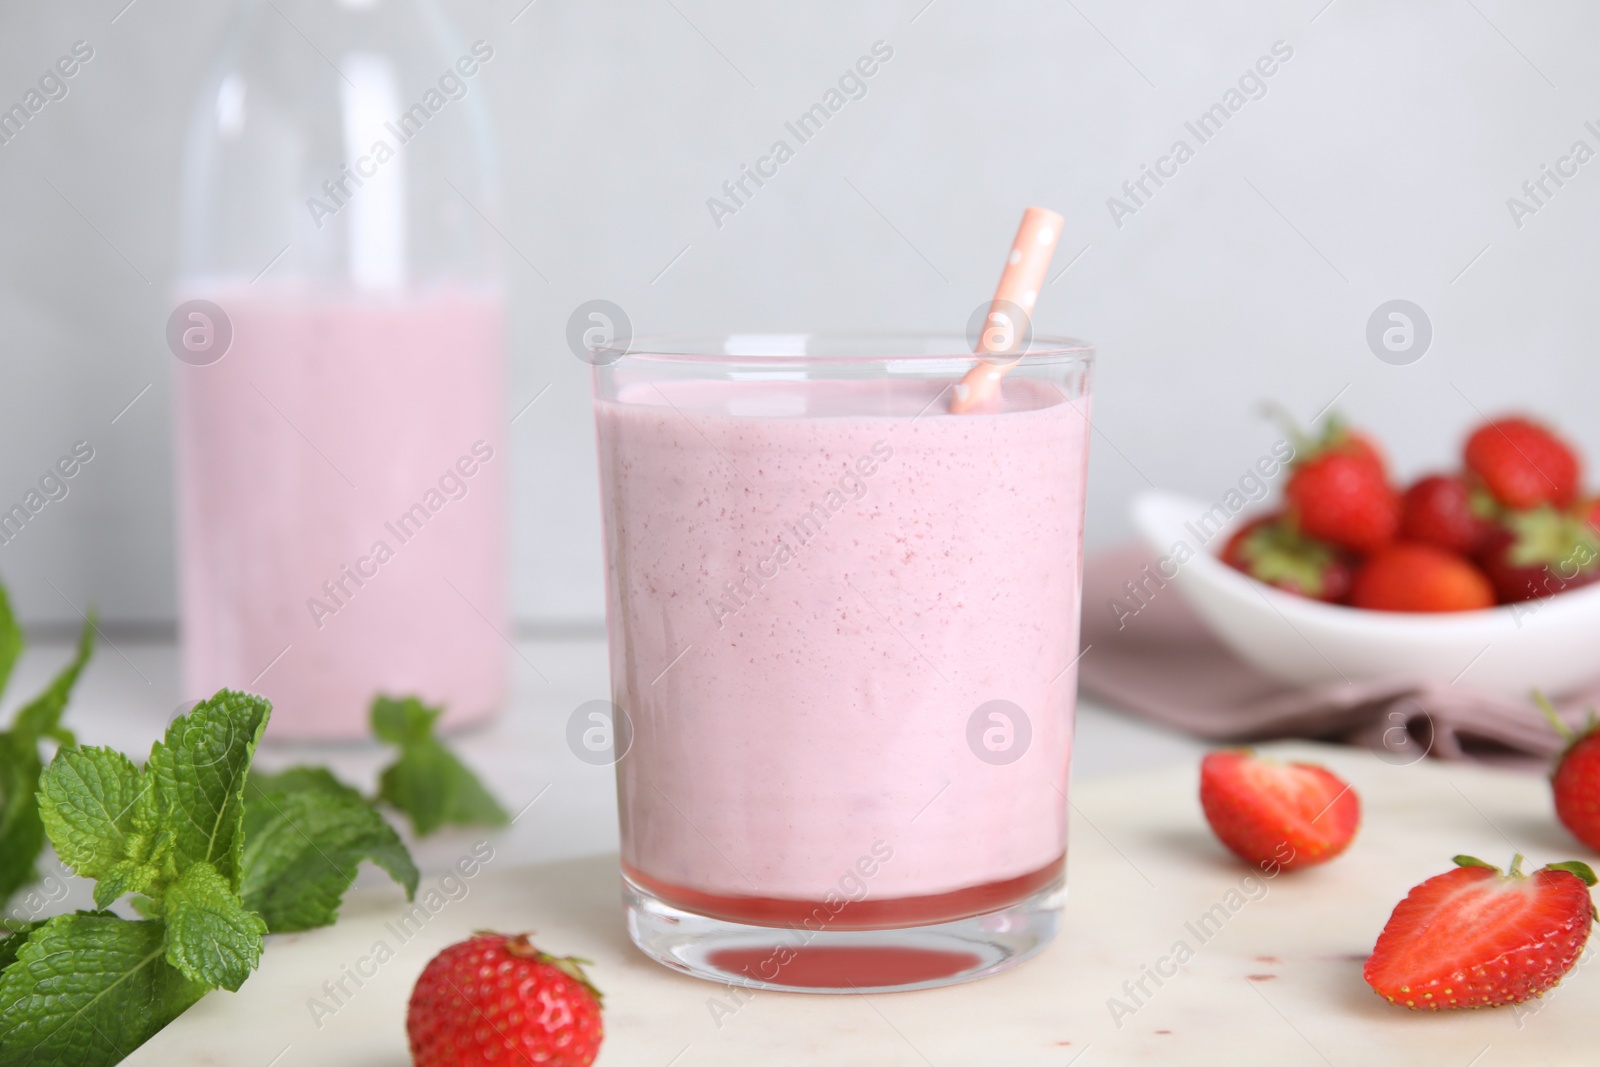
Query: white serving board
(1278,983)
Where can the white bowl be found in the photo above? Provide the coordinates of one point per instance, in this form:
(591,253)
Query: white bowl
(1552,644)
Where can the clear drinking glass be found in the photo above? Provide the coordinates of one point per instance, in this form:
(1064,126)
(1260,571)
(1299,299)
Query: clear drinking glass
(339,398)
(843,628)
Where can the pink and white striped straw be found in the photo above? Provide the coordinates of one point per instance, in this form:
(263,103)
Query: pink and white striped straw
(1019,287)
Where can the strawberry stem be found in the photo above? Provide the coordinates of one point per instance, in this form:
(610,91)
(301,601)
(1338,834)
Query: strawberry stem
(1279,414)
(1516,866)
(1562,730)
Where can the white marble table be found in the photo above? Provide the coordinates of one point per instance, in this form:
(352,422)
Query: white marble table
(1171,952)
(1143,864)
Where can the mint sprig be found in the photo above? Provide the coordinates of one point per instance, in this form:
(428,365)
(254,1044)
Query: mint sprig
(172,832)
(213,857)
(87,989)
(21,834)
(428,783)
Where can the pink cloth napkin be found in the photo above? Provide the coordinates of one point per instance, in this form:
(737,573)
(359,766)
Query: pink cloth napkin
(1164,664)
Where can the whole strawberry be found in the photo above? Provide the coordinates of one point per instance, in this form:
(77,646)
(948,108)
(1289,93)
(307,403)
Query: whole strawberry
(1340,492)
(1420,578)
(1575,782)
(1523,463)
(1277,816)
(499,1000)
(1441,510)
(1476,938)
(1539,552)
(1271,550)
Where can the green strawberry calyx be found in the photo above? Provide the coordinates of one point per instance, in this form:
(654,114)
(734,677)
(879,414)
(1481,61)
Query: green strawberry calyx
(1560,540)
(1577,868)
(522,947)
(1334,436)
(1279,554)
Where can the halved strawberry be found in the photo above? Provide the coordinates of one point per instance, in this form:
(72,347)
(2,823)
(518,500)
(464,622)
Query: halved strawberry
(1475,938)
(1270,549)
(1277,815)
(1575,782)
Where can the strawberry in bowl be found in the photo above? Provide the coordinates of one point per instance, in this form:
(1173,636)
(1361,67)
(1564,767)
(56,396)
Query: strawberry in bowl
(1487,576)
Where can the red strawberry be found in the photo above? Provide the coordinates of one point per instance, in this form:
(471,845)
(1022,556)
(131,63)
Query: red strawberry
(1340,496)
(1358,444)
(1523,464)
(1576,779)
(498,1000)
(1589,511)
(1440,510)
(1277,815)
(1271,550)
(1540,552)
(1414,577)
(1476,938)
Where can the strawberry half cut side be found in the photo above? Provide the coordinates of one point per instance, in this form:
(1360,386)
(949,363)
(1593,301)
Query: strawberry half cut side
(1475,937)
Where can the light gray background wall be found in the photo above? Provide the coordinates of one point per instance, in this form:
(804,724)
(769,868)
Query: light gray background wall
(1377,166)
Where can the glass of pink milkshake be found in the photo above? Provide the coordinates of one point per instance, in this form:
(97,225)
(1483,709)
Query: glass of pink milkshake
(844,629)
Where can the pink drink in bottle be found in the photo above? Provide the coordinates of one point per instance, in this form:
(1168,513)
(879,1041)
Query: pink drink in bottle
(340,405)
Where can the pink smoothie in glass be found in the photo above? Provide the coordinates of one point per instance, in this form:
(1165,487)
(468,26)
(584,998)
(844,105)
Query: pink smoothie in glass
(341,488)
(806,610)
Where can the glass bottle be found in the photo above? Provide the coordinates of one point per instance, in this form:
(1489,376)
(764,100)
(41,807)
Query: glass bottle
(340,399)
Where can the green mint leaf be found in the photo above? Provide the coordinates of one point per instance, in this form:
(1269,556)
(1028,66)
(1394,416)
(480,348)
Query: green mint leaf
(10,639)
(199,773)
(13,935)
(87,798)
(124,877)
(428,783)
(86,990)
(400,722)
(296,780)
(306,834)
(41,716)
(21,833)
(211,936)
(434,788)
